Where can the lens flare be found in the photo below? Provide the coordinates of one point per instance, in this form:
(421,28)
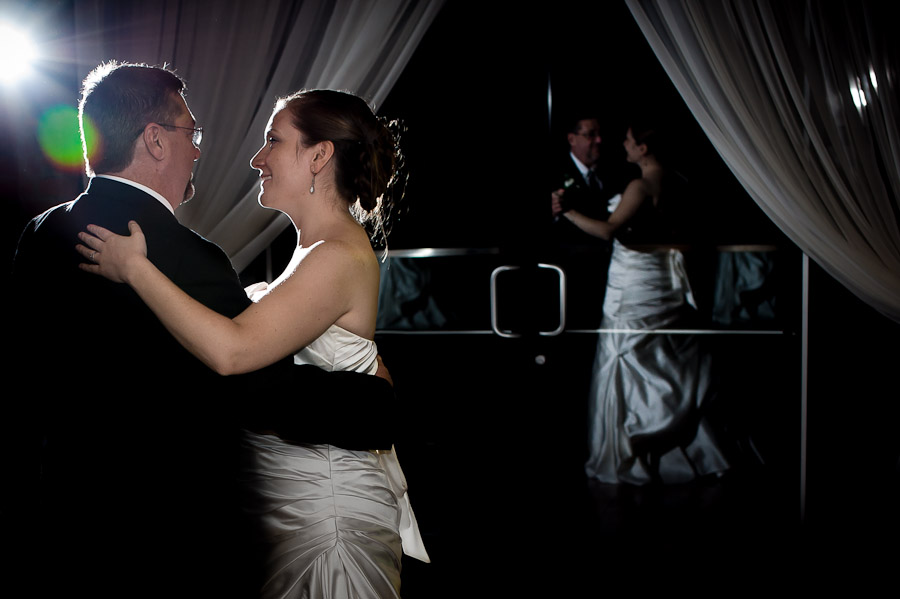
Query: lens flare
(59,138)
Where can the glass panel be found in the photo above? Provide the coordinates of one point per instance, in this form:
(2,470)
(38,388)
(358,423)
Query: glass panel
(436,290)
(736,287)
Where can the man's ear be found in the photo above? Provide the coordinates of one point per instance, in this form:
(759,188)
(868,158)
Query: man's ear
(154,141)
(571,138)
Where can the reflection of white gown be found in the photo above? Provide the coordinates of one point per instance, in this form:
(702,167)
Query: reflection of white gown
(329,520)
(648,389)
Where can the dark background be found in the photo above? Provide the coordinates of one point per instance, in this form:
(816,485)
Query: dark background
(468,97)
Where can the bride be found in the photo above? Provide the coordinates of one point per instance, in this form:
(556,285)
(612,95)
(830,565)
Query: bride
(329,520)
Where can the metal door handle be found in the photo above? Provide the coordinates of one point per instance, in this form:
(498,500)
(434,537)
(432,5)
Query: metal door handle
(562,302)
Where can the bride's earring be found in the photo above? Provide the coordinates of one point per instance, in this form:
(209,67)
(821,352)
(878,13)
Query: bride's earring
(312,186)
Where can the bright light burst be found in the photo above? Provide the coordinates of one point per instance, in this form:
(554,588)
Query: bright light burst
(16,54)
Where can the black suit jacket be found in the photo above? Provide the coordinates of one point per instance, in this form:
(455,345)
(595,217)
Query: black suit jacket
(137,437)
(584,258)
(579,196)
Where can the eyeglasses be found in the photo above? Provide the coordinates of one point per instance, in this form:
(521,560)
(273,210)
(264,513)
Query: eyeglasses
(195,138)
(590,134)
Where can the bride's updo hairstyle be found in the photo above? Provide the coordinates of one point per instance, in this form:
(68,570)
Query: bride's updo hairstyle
(367,157)
(648,133)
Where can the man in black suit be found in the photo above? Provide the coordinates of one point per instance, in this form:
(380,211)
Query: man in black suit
(134,493)
(585,182)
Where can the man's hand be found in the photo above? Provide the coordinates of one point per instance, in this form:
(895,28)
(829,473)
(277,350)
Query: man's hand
(383,371)
(556,201)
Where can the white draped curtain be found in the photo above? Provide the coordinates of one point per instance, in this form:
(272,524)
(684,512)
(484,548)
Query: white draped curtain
(800,100)
(237,57)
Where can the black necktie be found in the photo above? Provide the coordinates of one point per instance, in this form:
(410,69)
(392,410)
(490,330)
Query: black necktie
(594,182)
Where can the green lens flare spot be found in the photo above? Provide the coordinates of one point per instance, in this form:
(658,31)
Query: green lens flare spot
(59,138)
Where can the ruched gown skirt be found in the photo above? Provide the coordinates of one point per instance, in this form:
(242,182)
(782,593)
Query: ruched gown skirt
(649,389)
(326,520)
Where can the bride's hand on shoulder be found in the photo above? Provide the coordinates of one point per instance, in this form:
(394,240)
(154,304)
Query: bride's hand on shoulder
(115,257)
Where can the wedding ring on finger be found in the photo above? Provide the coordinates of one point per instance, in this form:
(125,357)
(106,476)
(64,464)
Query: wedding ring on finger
(92,256)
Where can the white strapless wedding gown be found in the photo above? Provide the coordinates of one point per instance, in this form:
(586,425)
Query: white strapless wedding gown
(649,389)
(331,522)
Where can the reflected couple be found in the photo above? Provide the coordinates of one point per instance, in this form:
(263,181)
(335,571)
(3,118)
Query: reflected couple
(648,390)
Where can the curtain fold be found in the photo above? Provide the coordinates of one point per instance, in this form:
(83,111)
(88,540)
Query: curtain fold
(237,57)
(800,100)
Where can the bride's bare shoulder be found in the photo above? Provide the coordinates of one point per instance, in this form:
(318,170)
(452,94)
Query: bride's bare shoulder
(343,251)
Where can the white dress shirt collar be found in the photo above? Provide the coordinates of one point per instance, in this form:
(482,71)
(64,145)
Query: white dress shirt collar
(581,167)
(143,188)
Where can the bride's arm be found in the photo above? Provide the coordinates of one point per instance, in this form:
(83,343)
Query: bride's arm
(292,315)
(632,197)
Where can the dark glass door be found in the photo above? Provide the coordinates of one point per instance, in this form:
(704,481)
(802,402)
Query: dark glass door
(472,315)
(490,350)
